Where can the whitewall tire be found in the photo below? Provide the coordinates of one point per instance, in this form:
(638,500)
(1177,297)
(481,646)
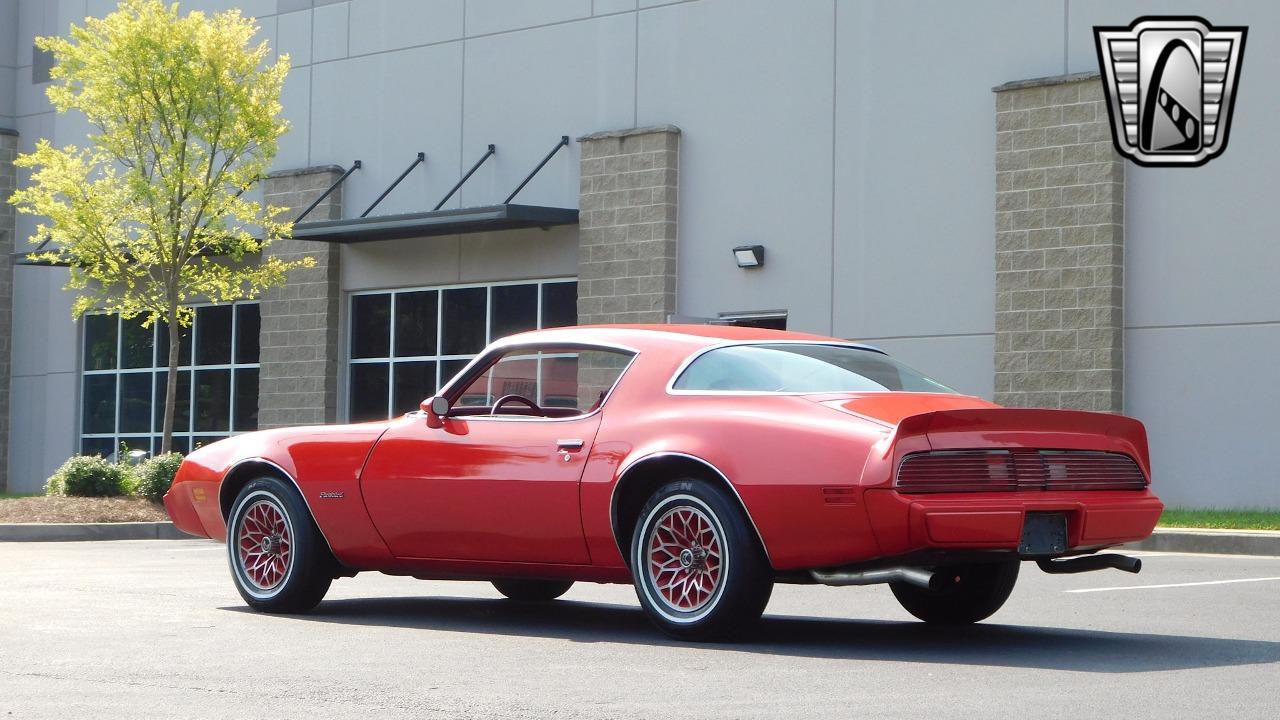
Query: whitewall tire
(698,568)
(279,561)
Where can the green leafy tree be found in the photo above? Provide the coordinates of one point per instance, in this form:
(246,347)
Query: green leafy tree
(156,212)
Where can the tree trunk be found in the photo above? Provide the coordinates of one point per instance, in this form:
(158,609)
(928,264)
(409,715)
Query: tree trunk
(171,387)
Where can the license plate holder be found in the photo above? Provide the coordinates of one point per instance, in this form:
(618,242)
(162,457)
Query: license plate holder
(1043,534)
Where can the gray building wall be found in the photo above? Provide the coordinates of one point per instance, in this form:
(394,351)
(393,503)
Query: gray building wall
(1202,309)
(8,61)
(8,178)
(853,139)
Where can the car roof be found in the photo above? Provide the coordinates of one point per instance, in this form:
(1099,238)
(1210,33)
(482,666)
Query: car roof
(652,337)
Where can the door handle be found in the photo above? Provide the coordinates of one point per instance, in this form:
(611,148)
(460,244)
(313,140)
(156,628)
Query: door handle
(568,445)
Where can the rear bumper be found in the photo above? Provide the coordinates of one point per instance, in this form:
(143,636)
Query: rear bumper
(993,521)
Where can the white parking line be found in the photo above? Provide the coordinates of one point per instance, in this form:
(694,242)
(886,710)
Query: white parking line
(1173,585)
(1154,554)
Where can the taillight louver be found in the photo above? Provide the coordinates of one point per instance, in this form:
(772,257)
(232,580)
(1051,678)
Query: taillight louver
(1008,470)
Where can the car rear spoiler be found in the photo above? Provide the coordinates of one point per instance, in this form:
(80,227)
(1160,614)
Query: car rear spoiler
(1013,427)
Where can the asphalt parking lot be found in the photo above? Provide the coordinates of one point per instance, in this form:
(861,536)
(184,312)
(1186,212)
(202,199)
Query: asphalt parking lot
(155,629)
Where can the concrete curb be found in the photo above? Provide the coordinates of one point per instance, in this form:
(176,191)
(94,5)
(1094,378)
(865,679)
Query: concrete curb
(79,532)
(1222,542)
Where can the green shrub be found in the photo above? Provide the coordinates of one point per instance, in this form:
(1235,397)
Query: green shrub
(91,476)
(156,475)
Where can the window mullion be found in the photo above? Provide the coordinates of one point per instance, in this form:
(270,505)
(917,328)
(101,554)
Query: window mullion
(488,312)
(351,336)
(231,381)
(439,339)
(151,409)
(119,383)
(538,320)
(391,354)
(192,383)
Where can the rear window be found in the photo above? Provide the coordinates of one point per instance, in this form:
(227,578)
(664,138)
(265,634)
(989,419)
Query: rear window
(802,368)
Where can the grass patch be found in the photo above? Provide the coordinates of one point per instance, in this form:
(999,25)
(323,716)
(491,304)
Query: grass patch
(1221,519)
(41,509)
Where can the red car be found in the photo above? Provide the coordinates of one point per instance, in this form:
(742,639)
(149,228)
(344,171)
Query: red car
(703,464)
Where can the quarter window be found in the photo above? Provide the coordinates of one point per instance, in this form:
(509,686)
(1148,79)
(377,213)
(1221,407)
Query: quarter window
(406,344)
(126,370)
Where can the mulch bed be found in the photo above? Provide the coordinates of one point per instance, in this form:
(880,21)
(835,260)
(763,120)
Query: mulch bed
(79,510)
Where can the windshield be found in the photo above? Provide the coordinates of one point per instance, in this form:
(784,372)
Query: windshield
(802,368)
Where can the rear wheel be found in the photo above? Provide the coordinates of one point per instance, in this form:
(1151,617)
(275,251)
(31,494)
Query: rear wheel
(699,571)
(533,590)
(972,593)
(279,560)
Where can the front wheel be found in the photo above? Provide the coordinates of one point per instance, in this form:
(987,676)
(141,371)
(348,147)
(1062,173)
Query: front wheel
(533,591)
(971,593)
(279,560)
(698,568)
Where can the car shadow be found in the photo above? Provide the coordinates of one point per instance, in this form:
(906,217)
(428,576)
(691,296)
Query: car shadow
(990,644)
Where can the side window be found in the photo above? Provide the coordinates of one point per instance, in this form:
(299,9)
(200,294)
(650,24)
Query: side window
(563,382)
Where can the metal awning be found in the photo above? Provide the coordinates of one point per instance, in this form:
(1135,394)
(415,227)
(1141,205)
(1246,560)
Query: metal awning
(435,222)
(486,218)
(28,258)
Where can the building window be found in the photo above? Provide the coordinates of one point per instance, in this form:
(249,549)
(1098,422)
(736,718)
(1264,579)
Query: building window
(126,371)
(406,344)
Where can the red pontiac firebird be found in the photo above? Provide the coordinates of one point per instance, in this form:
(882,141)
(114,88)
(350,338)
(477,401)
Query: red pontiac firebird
(702,464)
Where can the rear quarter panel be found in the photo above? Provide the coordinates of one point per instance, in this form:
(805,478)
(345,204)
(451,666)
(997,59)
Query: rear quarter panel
(797,466)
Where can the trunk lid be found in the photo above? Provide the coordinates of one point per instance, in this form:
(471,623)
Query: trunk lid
(920,422)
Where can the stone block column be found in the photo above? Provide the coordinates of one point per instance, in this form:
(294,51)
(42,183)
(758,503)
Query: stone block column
(8,183)
(1059,247)
(628,205)
(300,356)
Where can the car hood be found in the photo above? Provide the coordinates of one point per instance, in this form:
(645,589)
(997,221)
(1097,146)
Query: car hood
(891,408)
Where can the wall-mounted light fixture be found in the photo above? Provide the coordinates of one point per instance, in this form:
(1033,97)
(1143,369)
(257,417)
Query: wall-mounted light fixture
(749,256)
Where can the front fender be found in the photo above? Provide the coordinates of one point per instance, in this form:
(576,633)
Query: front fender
(324,463)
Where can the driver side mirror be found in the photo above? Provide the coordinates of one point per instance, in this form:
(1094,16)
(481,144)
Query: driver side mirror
(436,409)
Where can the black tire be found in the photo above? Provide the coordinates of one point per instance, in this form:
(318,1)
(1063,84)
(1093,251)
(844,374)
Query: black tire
(973,593)
(532,591)
(299,572)
(739,584)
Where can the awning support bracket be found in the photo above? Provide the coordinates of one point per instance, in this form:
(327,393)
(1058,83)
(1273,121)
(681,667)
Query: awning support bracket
(24,258)
(422,157)
(354,166)
(488,154)
(564,142)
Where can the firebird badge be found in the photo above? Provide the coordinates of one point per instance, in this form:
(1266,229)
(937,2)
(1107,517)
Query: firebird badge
(332,495)
(1170,85)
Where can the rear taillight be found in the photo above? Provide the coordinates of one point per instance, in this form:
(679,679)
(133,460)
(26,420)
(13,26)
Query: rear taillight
(1017,469)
